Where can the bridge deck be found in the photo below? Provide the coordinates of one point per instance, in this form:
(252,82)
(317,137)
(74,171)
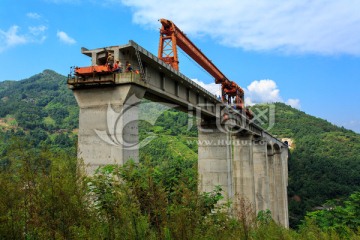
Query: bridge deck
(164,83)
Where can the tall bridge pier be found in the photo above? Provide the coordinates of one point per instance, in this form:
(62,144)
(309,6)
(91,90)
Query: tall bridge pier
(234,153)
(248,168)
(108,129)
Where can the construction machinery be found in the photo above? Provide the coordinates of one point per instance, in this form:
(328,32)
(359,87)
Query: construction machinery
(171,37)
(101,72)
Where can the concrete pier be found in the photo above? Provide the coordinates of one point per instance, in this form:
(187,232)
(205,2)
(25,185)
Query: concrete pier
(214,159)
(108,128)
(284,177)
(243,169)
(261,175)
(246,168)
(272,182)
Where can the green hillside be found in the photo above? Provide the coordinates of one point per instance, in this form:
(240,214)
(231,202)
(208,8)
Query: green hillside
(324,164)
(41,101)
(41,110)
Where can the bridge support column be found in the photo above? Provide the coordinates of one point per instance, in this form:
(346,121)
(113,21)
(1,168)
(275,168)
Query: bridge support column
(284,162)
(272,182)
(108,127)
(261,175)
(280,161)
(214,159)
(243,170)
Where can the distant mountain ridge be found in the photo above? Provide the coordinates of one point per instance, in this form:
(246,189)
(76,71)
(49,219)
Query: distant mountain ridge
(323,165)
(39,101)
(40,110)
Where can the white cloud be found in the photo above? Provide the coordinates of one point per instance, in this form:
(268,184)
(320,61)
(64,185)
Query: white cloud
(63,37)
(33,15)
(295,103)
(266,91)
(322,27)
(11,38)
(262,91)
(211,87)
(38,33)
(37,30)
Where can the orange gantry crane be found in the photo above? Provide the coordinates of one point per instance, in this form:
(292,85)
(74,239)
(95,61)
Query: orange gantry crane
(171,37)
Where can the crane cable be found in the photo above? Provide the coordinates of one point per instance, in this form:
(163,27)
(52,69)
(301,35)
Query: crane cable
(193,61)
(201,68)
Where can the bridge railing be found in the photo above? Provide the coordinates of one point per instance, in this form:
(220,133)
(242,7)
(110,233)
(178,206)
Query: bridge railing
(109,78)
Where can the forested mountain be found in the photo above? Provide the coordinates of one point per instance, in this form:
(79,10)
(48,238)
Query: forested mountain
(41,101)
(323,165)
(39,109)
(324,162)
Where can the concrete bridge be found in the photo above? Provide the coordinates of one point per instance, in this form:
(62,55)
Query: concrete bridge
(235,153)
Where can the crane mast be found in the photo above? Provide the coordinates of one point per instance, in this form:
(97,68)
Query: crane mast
(171,37)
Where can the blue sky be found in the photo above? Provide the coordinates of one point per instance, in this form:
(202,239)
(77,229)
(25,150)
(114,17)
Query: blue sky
(303,53)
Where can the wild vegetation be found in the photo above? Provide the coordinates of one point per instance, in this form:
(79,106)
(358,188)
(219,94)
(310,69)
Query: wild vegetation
(42,194)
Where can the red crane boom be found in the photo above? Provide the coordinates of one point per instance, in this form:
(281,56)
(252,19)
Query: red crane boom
(171,37)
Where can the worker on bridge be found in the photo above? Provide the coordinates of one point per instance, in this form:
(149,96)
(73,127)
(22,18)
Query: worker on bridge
(117,67)
(128,67)
(110,61)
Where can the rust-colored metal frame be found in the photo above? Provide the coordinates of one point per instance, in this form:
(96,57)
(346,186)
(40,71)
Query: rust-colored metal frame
(171,37)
